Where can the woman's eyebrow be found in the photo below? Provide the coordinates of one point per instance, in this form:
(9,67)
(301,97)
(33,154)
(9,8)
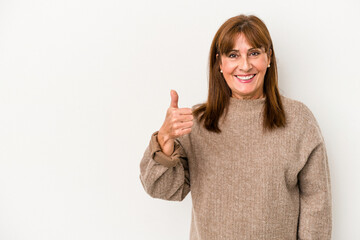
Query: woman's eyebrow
(250,49)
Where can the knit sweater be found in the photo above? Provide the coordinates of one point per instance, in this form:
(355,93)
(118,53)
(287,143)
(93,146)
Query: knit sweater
(245,183)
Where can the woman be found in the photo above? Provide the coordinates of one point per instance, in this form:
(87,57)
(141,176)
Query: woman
(254,160)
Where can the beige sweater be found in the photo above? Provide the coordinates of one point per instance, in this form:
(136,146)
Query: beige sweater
(246,184)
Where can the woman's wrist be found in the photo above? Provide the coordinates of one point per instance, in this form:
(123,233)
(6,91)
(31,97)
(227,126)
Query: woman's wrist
(162,139)
(166,145)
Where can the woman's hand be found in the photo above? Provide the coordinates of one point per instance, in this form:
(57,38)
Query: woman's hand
(178,122)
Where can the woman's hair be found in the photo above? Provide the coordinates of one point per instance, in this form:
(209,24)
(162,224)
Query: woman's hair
(219,94)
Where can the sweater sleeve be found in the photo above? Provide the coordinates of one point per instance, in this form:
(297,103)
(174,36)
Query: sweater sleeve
(315,219)
(162,176)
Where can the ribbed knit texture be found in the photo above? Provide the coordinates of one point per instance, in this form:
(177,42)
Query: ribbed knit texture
(247,184)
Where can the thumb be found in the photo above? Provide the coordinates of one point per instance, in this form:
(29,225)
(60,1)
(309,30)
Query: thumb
(174,99)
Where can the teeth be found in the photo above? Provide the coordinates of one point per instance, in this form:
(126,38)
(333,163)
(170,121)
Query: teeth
(246,78)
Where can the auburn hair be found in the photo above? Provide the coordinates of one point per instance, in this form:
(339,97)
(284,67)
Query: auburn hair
(219,93)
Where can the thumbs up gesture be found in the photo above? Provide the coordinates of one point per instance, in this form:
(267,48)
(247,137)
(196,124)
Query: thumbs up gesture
(178,122)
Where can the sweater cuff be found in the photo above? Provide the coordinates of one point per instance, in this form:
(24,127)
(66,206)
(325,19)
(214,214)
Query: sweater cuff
(160,157)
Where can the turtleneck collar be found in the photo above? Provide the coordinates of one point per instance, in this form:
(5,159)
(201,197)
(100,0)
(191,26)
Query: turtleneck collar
(247,103)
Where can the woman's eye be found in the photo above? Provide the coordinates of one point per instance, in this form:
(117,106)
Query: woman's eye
(254,54)
(232,55)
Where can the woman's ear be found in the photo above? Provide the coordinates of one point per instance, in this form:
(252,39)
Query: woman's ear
(219,59)
(269,56)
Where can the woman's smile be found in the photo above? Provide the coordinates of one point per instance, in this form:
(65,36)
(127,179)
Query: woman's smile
(245,78)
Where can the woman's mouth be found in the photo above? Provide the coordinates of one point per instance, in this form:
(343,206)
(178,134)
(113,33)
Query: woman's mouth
(245,78)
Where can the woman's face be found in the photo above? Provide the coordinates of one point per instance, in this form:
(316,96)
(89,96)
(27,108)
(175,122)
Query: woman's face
(244,69)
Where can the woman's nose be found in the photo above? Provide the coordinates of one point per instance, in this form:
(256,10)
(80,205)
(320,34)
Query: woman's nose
(244,64)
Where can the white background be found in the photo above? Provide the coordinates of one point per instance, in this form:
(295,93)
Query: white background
(84,84)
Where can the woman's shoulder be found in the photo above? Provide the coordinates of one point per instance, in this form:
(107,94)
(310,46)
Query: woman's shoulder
(302,119)
(297,111)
